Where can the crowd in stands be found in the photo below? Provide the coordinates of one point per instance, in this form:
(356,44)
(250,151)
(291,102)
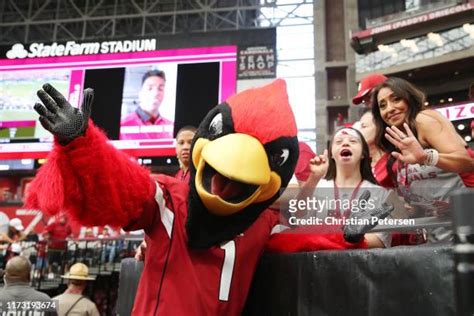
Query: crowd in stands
(56,248)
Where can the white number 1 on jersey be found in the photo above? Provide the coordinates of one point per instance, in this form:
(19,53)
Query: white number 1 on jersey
(227,269)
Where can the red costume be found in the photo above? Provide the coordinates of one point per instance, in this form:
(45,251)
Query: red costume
(203,245)
(205,239)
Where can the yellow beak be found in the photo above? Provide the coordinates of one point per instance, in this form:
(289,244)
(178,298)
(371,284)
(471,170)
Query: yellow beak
(240,158)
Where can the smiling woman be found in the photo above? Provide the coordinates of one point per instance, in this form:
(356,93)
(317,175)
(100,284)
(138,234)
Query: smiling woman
(398,110)
(430,152)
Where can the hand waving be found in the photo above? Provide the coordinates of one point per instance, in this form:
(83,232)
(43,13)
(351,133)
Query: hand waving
(411,150)
(59,117)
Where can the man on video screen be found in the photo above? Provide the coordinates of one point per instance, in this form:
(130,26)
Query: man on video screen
(146,122)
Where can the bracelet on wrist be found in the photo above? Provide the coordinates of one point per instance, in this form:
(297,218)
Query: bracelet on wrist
(432,157)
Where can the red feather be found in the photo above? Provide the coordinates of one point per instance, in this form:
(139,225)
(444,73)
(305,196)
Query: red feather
(103,185)
(264,112)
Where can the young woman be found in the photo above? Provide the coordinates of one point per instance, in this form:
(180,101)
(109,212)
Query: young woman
(344,175)
(429,151)
(404,123)
(378,158)
(379,161)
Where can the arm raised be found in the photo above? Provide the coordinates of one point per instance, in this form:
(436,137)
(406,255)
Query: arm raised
(84,175)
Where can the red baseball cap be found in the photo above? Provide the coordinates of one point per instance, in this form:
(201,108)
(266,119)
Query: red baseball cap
(366,85)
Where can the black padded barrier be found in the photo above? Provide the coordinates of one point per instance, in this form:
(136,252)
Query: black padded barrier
(405,280)
(415,280)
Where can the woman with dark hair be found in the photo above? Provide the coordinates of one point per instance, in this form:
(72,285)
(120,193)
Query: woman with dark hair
(398,105)
(378,160)
(347,173)
(378,157)
(429,151)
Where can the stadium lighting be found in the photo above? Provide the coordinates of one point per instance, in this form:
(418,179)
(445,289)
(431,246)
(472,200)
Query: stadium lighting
(436,39)
(411,44)
(387,49)
(469,29)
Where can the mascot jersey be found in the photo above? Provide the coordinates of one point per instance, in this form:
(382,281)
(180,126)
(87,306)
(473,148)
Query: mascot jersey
(183,281)
(205,238)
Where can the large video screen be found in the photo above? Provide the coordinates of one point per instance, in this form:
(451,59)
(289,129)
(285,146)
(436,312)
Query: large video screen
(141,99)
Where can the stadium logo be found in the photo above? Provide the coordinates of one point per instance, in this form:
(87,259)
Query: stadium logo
(17,51)
(72,48)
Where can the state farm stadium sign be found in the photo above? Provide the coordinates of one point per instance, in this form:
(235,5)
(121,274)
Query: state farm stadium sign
(414,20)
(72,48)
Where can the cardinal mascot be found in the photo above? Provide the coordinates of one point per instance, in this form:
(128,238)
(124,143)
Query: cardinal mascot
(204,239)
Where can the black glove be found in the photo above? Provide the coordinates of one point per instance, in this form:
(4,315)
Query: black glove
(355,233)
(59,117)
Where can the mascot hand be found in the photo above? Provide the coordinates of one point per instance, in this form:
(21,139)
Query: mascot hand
(355,233)
(59,117)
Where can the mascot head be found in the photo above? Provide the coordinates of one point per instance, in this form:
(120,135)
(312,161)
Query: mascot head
(244,152)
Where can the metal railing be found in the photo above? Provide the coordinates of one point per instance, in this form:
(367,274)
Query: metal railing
(101,255)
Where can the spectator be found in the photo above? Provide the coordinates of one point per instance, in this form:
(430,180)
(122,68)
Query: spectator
(346,172)
(14,249)
(108,247)
(366,85)
(398,106)
(4,193)
(89,233)
(72,301)
(17,284)
(366,126)
(41,255)
(10,239)
(429,151)
(148,112)
(15,231)
(58,230)
(378,158)
(184,139)
(467,177)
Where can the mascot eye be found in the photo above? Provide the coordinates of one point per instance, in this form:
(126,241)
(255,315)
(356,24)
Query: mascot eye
(281,157)
(215,128)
